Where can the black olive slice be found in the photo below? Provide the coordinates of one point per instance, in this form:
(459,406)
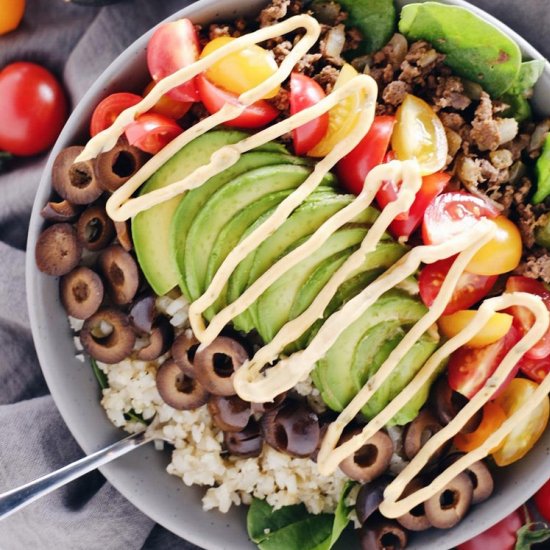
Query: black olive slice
(380,533)
(81,292)
(124,236)
(160,340)
(115,167)
(143,313)
(120,274)
(448,506)
(95,229)
(261,408)
(62,211)
(75,182)
(57,250)
(369,497)
(215,365)
(247,443)
(183,351)
(415,519)
(179,390)
(229,413)
(417,433)
(107,336)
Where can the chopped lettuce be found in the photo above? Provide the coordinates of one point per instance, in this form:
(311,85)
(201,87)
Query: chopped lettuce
(542,169)
(529,73)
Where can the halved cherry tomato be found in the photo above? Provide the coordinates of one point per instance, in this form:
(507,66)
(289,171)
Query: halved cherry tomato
(241,71)
(501,254)
(109,108)
(469,368)
(535,369)
(420,135)
(151,132)
(341,118)
(542,500)
(258,114)
(167,106)
(450,214)
(525,435)
(173,46)
(524,319)
(404,224)
(305,92)
(493,417)
(370,152)
(11,13)
(469,290)
(495,329)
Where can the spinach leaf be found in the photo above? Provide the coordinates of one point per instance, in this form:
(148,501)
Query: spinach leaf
(519,107)
(341,515)
(376,19)
(308,534)
(474,49)
(542,170)
(100,375)
(529,73)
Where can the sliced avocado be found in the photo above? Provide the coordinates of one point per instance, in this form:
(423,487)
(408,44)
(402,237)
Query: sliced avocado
(333,371)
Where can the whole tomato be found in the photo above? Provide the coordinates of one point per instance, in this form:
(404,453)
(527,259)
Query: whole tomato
(11,13)
(34,109)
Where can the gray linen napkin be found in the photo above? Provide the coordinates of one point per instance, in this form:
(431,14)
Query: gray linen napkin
(78,43)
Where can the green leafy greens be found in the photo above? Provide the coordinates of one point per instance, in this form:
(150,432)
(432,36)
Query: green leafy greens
(542,169)
(101,377)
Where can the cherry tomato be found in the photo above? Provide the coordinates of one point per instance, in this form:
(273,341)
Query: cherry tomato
(450,214)
(495,329)
(535,369)
(404,224)
(305,92)
(167,106)
(469,368)
(109,108)
(34,109)
(341,118)
(492,419)
(173,46)
(524,318)
(420,135)
(525,435)
(151,132)
(258,114)
(501,254)
(542,500)
(469,290)
(241,71)
(355,166)
(11,13)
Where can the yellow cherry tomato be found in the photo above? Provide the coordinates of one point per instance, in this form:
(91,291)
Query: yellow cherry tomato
(241,71)
(11,13)
(341,118)
(167,106)
(419,134)
(501,254)
(497,327)
(524,436)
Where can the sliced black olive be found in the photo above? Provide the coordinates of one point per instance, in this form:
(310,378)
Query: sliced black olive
(57,250)
(230,413)
(448,506)
(292,428)
(417,433)
(120,274)
(247,443)
(115,167)
(380,533)
(160,340)
(183,351)
(143,313)
(75,182)
(124,236)
(371,460)
(179,390)
(416,519)
(81,292)
(369,497)
(216,364)
(107,336)
(261,408)
(62,211)
(95,229)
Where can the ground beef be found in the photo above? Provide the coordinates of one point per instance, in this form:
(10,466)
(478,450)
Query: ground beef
(536,267)
(282,102)
(327,77)
(450,93)
(273,13)
(395,92)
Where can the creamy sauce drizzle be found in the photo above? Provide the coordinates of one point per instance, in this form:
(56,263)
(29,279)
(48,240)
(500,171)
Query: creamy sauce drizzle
(253,385)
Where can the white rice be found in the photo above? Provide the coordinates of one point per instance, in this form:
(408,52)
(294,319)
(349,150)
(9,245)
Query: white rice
(198,457)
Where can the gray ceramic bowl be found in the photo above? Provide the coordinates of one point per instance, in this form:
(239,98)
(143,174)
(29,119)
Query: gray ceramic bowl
(140,477)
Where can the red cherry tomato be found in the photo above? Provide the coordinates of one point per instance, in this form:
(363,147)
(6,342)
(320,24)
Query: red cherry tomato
(109,108)
(173,46)
(535,369)
(469,368)
(450,214)
(542,500)
(34,109)
(214,98)
(370,152)
(151,132)
(305,92)
(469,290)
(404,224)
(524,318)
(501,536)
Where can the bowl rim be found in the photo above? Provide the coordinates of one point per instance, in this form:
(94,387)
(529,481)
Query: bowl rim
(188,531)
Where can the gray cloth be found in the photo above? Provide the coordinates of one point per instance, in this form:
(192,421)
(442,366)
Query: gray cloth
(78,43)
